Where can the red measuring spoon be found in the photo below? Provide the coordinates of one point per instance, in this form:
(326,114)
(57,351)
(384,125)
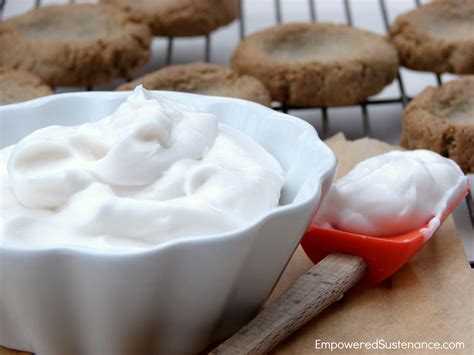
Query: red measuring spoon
(383,255)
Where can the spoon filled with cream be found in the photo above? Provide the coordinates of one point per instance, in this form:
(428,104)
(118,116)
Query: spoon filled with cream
(392,193)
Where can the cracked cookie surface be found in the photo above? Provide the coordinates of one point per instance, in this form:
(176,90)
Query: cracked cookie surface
(17,85)
(181,17)
(442,119)
(203,78)
(80,44)
(437,37)
(317,64)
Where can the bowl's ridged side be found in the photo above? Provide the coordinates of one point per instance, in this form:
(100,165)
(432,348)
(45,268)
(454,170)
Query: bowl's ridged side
(58,302)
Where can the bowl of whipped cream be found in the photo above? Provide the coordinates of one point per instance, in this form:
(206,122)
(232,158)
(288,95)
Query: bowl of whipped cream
(147,222)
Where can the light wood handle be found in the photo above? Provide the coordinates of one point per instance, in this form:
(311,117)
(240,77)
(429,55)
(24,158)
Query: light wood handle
(318,288)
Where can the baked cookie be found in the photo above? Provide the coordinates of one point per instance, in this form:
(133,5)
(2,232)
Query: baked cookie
(203,78)
(442,119)
(181,17)
(316,64)
(437,37)
(17,85)
(81,44)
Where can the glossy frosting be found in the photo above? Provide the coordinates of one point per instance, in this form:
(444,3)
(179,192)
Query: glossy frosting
(154,170)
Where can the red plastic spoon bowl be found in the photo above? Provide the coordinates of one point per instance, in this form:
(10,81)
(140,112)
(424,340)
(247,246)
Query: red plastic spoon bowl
(383,255)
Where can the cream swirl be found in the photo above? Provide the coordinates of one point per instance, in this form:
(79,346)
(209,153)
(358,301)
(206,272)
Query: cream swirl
(154,170)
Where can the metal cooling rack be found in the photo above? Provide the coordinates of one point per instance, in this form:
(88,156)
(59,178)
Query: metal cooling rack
(312,6)
(402,98)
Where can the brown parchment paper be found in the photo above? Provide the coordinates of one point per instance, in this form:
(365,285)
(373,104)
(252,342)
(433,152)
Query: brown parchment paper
(429,299)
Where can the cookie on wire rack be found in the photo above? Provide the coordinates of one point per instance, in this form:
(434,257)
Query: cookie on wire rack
(442,119)
(181,17)
(203,78)
(76,44)
(437,37)
(317,64)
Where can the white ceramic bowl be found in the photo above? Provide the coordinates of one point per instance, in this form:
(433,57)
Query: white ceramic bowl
(175,297)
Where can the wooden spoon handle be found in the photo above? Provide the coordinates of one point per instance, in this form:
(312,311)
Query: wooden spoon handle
(319,287)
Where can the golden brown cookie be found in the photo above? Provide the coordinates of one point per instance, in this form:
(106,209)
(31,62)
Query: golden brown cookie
(437,37)
(442,119)
(317,64)
(17,85)
(203,78)
(82,44)
(181,17)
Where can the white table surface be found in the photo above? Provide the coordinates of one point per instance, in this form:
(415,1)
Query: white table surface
(385,120)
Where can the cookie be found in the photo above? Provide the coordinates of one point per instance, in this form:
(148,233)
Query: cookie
(319,64)
(442,119)
(437,37)
(17,85)
(203,78)
(181,17)
(80,44)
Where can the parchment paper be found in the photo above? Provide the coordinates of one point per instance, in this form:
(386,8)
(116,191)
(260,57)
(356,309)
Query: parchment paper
(430,299)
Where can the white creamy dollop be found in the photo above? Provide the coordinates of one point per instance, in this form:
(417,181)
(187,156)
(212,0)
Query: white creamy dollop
(154,170)
(392,193)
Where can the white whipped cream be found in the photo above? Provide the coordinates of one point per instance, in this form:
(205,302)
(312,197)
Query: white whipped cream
(154,170)
(393,193)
